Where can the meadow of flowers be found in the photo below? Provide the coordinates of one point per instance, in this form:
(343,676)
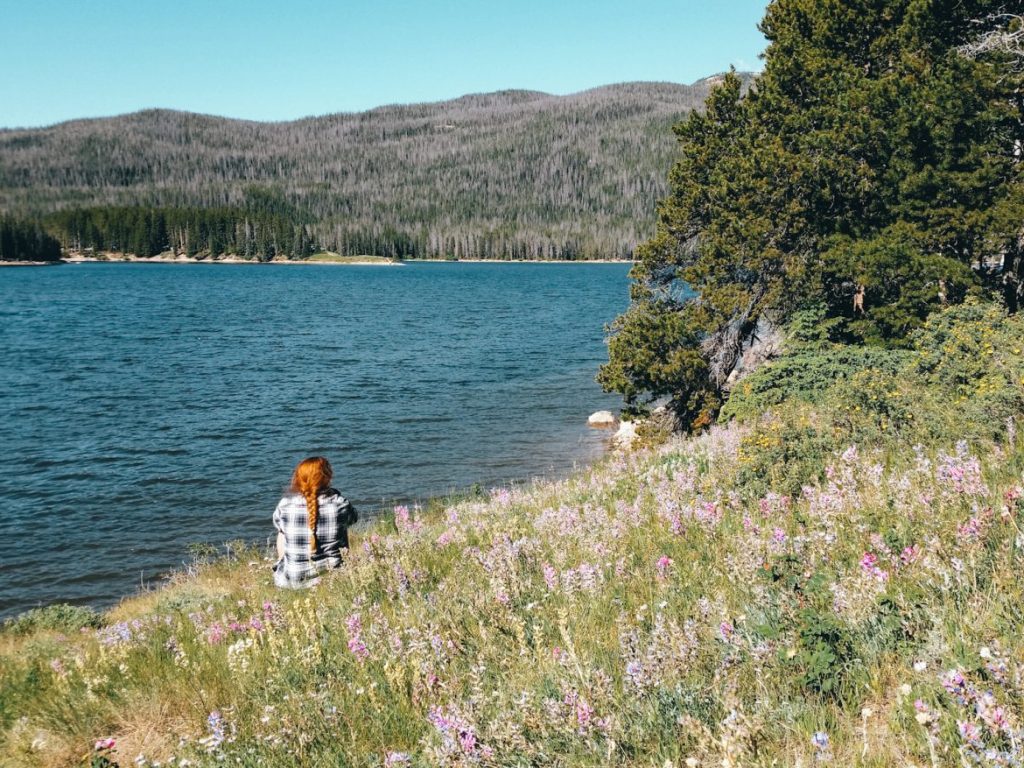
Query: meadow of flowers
(658,609)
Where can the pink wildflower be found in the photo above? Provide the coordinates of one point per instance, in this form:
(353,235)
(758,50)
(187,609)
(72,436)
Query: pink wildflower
(869,565)
(910,554)
(969,732)
(727,630)
(445,538)
(214,633)
(354,625)
(663,565)
(502,496)
(550,577)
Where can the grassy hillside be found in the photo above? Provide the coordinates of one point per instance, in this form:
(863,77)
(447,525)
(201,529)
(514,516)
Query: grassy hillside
(832,577)
(514,173)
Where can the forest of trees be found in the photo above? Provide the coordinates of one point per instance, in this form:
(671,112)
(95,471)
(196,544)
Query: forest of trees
(514,174)
(26,241)
(871,174)
(147,231)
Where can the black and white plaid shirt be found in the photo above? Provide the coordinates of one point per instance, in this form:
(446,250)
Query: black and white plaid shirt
(290,518)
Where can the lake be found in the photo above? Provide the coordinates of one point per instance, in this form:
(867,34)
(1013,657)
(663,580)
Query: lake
(147,407)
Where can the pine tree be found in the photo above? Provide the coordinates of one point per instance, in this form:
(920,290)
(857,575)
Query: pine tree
(871,168)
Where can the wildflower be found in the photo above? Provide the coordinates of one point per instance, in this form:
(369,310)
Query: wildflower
(395,759)
(215,724)
(726,630)
(457,735)
(969,732)
(961,472)
(663,564)
(910,554)
(920,666)
(779,535)
(924,714)
(354,625)
(971,530)
(588,576)
(869,566)
(214,633)
(103,744)
(238,658)
(502,496)
(116,634)
(993,715)
(584,713)
(636,673)
(443,541)
(955,685)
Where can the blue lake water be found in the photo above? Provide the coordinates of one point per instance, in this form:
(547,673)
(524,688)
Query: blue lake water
(146,407)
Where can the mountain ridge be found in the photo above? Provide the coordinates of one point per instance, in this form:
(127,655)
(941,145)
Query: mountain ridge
(533,94)
(534,174)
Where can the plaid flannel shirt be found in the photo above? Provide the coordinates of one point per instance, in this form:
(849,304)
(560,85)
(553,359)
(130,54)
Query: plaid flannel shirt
(290,518)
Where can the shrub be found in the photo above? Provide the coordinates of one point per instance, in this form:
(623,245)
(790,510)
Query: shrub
(57,618)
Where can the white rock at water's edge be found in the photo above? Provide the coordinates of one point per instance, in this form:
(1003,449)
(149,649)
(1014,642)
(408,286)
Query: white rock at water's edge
(625,435)
(602,419)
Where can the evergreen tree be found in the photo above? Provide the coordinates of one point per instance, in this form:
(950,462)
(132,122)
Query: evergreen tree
(26,241)
(871,167)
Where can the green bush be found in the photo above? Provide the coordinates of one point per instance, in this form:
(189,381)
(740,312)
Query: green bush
(807,374)
(971,357)
(57,618)
(963,379)
(825,656)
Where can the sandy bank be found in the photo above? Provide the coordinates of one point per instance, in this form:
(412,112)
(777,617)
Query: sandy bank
(119,259)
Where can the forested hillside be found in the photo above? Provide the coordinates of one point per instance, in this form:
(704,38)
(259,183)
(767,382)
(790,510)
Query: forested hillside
(514,174)
(26,241)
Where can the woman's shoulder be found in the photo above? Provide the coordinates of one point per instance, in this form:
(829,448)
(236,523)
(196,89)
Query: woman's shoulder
(333,494)
(290,499)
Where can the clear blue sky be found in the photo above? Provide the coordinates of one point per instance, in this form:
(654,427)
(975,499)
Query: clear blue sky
(263,60)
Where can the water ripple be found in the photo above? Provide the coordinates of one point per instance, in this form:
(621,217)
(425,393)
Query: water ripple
(150,407)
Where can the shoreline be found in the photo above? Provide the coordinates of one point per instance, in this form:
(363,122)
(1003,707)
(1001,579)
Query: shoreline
(521,261)
(295,262)
(225,260)
(370,514)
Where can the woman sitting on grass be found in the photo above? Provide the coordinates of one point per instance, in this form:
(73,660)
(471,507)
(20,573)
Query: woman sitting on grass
(312,521)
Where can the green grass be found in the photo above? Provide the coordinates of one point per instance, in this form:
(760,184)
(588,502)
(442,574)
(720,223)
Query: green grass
(674,604)
(329,257)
